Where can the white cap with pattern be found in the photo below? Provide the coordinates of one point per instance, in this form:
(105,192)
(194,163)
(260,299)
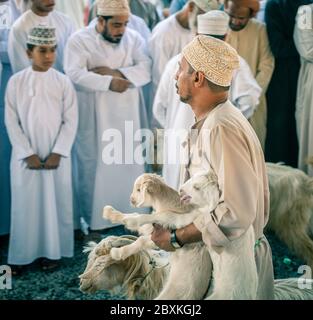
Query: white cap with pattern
(113,8)
(207,5)
(42,35)
(214,22)
(215,58)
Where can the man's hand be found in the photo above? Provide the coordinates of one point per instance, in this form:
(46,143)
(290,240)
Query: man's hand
(162,238)
(33,162)
(52,162)
(119,85)
(106,71)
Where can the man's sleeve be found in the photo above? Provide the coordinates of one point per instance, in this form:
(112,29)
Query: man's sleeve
(139,74)
(266,62)
(230,158)
(75,66)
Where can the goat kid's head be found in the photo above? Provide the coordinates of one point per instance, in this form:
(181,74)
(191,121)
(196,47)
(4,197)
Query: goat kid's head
(201,190)
(146,189)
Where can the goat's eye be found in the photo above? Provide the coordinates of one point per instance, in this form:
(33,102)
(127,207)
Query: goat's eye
(138,190)
(196,187)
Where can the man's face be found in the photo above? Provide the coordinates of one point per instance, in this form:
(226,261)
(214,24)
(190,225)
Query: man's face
(44,5)
(239,16)
(113,29)
(43,57)
(183,79)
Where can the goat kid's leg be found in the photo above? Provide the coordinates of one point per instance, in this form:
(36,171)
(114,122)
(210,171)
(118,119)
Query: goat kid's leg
(116,216)
(143,242)
(166,219)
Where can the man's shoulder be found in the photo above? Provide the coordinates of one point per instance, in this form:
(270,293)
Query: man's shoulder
(82,34)
(132,34)
(22,20)
(62,18)
(225,115)
(256,25)
(163,26)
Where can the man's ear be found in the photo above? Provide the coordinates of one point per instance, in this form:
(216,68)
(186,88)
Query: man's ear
(199,79)
(29,54)
(101,22)
(191,6)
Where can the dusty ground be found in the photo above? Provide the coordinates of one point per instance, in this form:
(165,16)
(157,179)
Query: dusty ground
(63,283)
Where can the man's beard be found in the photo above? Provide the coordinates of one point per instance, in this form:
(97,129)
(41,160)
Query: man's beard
(237,28)
(107,37)
(184,99)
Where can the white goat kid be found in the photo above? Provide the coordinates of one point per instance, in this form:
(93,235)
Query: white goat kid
(190,280)
(185,281)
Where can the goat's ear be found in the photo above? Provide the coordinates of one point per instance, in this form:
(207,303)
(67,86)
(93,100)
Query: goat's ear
(121,242)
(152,186)
(100,264)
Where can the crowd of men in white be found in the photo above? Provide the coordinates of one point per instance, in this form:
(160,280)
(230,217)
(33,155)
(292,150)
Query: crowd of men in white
(111,72)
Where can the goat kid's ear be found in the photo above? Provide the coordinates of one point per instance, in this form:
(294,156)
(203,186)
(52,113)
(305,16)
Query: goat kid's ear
(151,187)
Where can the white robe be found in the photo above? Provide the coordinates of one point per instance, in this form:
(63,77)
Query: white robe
(74,9)
(5,147)
(138,24)
(98,184)
(304,104)
(177,116)
(167,40)
(41,118)
(19,33)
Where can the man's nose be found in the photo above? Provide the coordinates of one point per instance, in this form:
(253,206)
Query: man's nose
(236,21)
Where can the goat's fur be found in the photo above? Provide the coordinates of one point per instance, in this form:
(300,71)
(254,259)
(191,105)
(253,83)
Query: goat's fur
(202,192)
(291,209)
(138,280)
(126,277)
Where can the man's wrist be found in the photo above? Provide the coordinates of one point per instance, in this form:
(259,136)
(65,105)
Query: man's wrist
(179,237)
(174,241)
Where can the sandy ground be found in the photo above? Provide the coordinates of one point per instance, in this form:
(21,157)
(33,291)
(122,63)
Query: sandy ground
(63,283)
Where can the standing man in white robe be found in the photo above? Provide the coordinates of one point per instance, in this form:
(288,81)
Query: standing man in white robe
(41,117)
(177,116)
(226,144)
(172,34)
(303,36)
(5,148)
(41,13)
(109,64)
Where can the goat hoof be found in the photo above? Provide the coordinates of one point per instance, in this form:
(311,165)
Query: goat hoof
(111,214)
(107,212)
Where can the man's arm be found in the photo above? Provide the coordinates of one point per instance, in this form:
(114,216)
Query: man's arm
(266,62)
(75,66)
(139,74)
(162,237)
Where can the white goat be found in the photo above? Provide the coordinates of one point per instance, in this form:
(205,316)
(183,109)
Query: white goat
(143,275)
(291,209)
(190,280)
